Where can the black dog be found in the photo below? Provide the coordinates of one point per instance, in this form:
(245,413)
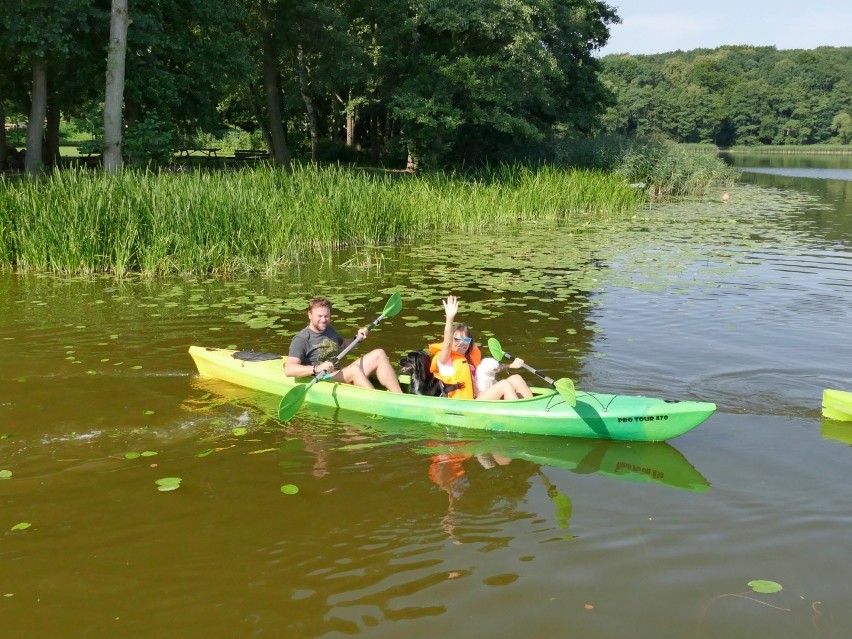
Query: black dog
(423,381)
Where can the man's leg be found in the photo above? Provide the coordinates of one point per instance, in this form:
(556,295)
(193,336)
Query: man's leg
(376,361)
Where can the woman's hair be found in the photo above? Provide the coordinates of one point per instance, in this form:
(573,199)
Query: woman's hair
(458,326)
(319,301)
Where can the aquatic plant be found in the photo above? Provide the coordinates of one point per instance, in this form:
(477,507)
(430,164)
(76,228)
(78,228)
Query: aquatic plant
(262,218)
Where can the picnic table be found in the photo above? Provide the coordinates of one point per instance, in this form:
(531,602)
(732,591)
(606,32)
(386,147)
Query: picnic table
(187,151)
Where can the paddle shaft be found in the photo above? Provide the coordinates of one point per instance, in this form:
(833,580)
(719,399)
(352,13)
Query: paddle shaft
(532,370)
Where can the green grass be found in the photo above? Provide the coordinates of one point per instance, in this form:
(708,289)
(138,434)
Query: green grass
(262,218)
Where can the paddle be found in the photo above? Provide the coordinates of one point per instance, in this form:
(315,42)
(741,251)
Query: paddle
(564,386)
(292,401)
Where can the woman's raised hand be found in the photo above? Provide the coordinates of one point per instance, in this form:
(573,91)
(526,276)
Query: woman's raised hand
(451,306)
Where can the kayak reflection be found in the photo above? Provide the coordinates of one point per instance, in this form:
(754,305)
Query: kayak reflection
(647,462)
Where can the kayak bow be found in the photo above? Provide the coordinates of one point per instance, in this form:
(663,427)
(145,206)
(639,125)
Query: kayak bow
(837,404)
(596,415)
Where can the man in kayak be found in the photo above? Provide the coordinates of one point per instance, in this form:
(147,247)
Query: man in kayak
(313,348)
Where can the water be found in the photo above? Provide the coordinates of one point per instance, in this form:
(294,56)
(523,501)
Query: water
(408,529)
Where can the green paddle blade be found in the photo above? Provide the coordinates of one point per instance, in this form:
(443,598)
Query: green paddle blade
(495,348)
(565,387)
(292,402)
(393,306)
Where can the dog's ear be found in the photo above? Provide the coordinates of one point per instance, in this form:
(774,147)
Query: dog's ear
(420,364)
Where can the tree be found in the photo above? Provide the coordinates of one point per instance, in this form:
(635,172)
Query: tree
(489,78)
(842,126)
(114,90)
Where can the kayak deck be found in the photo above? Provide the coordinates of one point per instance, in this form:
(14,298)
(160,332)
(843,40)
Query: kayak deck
(596,415)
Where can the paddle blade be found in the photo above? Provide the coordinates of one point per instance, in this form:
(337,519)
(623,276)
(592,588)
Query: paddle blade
(393,306)
(292,402)
(565,387)
(495,348)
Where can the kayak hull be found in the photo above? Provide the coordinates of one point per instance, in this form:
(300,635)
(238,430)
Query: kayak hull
(837,404)
(596,415)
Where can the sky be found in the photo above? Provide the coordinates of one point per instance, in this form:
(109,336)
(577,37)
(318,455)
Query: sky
(658,26)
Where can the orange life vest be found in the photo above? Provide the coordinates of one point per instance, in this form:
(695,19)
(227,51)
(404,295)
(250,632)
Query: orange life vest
(462,372)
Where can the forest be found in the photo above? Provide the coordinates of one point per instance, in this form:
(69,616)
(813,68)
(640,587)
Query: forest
(733,95)
(429,82)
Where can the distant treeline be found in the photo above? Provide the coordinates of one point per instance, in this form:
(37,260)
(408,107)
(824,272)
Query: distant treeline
(733,95)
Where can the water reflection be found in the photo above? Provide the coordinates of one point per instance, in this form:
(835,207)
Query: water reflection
(837,431)
(451,454)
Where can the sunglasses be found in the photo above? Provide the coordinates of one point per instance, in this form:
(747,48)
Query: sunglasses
(463,340)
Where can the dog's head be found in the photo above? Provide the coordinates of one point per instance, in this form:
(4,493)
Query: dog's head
(415,363)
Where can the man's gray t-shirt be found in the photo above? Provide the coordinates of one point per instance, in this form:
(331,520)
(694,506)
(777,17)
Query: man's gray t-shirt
(315,348)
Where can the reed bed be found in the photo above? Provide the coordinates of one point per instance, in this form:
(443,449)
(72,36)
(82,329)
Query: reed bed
(263,218)
(665,169)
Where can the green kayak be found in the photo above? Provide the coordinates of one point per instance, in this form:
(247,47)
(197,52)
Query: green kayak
(595,415)
(837,404)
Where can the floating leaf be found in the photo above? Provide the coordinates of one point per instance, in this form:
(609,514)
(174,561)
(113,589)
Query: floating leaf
(168,483)
(289,489)
(22,526)
(764,586)
(239,431)
(149,453)
(147,412)
(205,452)
(132,455)
(5,474)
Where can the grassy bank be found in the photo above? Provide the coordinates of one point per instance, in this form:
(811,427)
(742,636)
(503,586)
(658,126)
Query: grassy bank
(261,218)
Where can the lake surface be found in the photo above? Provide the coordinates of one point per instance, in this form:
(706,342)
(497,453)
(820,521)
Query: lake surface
(417,531)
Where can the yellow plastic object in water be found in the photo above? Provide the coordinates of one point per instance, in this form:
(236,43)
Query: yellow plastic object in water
(837,404)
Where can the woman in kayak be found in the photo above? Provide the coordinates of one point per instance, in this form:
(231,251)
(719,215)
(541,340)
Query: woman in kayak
(313,348)
(456,358)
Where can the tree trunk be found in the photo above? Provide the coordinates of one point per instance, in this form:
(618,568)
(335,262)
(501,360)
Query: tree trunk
(114,88)
(272,84)
(351,118)
(374,135)
(35,126)
(302,70)
(3,150)
(51,139)
(350,123)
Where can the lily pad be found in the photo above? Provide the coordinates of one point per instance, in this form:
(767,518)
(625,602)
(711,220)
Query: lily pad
(289,489)
(166,484)
(22,526)
(764,586)
(5,474)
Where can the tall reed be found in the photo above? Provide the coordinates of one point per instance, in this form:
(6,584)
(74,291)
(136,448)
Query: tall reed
(260,218)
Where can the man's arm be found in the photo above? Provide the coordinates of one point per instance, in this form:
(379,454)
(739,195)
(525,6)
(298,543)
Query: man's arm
(293,367)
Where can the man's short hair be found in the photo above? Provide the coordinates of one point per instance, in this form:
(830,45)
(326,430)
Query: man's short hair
(319,301)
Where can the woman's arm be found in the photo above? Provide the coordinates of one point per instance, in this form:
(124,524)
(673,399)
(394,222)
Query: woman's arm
(451,307)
